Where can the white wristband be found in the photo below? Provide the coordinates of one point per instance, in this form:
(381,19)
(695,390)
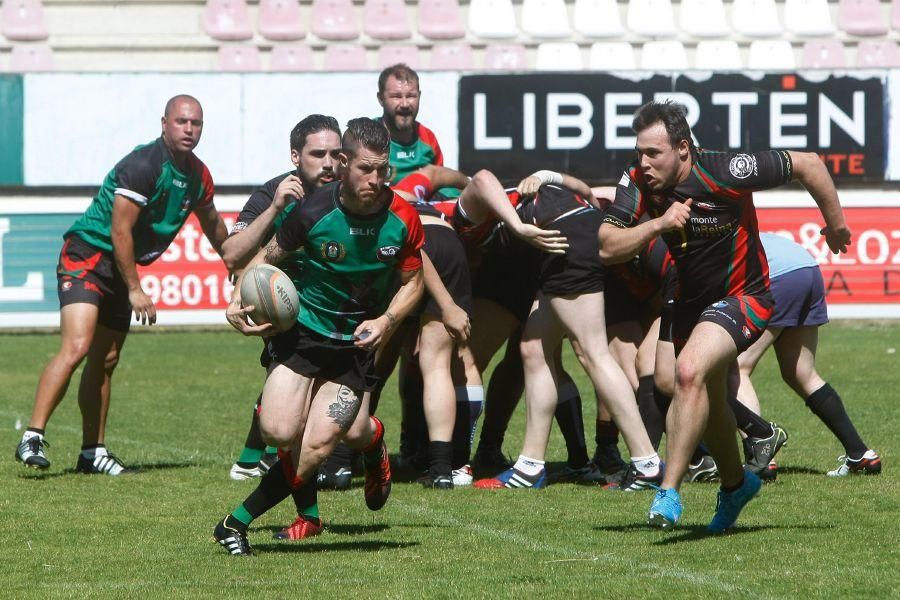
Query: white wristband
(548,177)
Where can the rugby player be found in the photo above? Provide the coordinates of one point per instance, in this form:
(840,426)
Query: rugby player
(142,204)
(356,235)
(701,204)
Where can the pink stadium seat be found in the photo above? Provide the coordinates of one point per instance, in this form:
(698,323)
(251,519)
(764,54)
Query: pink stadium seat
(450,57)
(505,57)
(391,55)
(823,54)
(334,20)
(440,19)
(292,58)
(386,20)
(239,59)
(862,17)
(227,20)
(30,58)
(279,20)
(895,14)
(23,20)
(345,57)
(877,54)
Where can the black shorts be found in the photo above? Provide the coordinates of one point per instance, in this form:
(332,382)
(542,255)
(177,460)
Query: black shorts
(307,353)
(507,274)
(799,299)
(86,275)
(579,271)
(443,247)
(743,317)
(619,304)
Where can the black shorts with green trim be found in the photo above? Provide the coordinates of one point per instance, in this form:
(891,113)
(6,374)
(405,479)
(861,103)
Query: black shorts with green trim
(88,275)
(743,317)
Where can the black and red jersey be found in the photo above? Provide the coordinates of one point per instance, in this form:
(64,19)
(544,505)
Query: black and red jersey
(647,272)
(718,253)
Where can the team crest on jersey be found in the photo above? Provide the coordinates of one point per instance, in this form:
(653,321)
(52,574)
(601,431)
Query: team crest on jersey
(386,253)
(742,166)
(333,251)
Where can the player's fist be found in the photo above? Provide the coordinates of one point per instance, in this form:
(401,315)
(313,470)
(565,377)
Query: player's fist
(142,306)
(837,238)
(677,216)
(290,188)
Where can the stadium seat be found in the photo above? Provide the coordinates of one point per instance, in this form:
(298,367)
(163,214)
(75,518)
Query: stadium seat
(386,20)
(238,59)
(227,20)
(292,58)
(808,18)
(558,56)
(718,55)
(391,55)
(771,55)
(452,57)
(663,56)
(823,54)
(597,18)
(492,19)
(755,18)
(895,14)
(279,20)
(28,58)
(877,54)
(612,56)
(862,17)
(704,18)
(345,57)
(651,18)
(334,20)
(441,20)
(505,57)
(23,21)
(545,19)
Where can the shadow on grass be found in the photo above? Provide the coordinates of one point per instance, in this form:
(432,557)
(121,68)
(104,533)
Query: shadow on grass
(341,529)
(795,470)
(133,469)
(692,533)
(357,546)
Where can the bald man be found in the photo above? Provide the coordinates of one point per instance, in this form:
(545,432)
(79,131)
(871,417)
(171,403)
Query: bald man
(142,204)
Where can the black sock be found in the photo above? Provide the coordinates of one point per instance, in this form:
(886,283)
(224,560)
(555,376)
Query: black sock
(439,456)
(272,489)
(748,421)
(654,420)
(606,433)
(731,488)
(340,458)
(826,404)
(663,402)
(699,453)
(571,423)
(35,430)
(305,495)
(462,435)
(502,395)
(413,430)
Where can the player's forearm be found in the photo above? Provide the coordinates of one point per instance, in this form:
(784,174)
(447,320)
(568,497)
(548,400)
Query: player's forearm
(406,298)
(442,177)
(434,286)
(811,172)
(493,198)
(123,253)
(619,244)
(577,186)
(239,248)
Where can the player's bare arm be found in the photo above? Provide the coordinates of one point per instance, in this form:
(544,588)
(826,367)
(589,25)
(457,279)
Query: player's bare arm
(212,225)
(812,173)
(372,333)
(621,244)
(442,177)
(124,217)
(455,319)
(241,246)
(530,185)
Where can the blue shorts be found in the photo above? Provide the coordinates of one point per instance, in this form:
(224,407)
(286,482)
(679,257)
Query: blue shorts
(799,299)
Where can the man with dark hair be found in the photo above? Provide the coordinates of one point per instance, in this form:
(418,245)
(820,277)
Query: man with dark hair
(356,234)
(141,206)
(701,203)
(412,144)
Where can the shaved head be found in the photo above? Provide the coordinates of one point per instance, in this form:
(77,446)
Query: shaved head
(176,100)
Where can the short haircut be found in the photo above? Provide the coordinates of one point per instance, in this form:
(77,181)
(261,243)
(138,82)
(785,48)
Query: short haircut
(367,133)
(170,105)
(671,114)
(401,72)
(310,125)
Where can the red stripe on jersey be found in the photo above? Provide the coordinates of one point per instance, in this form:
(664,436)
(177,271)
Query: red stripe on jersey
(209,188)
(427,136)
(410,256)
(418,184)
(737,270)
(715,186)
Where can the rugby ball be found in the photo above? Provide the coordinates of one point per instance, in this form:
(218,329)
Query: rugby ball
(272,295)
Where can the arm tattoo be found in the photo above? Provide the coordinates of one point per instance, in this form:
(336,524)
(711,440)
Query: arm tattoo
(274,252)
(344,408)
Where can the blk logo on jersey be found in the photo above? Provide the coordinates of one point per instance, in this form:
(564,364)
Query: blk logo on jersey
(362,231)
(333,251)
(386,253)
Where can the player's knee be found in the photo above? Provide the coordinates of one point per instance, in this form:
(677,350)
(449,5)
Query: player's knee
(111,361)
(277,434)
(687,376)
(532,351)
(74,351)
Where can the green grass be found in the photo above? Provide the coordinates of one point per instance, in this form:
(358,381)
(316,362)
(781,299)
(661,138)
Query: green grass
(181,403)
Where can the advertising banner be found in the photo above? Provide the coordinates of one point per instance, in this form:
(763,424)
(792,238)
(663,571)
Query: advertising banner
(581,123)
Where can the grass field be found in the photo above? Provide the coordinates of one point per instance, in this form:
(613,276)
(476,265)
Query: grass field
(181,403)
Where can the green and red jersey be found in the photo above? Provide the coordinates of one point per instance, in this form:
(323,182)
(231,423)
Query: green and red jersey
(149,178)
(350,270)
(408,158)
(718,253)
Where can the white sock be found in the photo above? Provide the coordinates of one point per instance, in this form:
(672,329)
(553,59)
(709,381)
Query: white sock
(529,466)
(646,465)
(474,395)
(91,453)
(30,434)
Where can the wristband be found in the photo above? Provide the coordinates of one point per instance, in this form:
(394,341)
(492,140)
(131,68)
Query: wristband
(548,177)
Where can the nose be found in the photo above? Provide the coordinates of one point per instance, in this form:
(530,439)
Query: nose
(328,163)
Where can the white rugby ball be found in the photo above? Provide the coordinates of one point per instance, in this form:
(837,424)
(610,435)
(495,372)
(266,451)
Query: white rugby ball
(272,295)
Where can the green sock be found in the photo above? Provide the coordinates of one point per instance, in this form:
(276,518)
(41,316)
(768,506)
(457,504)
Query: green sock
(271,450)
(250,456)
(310,512)
(242,515)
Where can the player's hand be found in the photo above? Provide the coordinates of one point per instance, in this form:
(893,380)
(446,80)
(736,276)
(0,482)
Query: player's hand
(529,186)
(456,322)
(372,333)
(837,239)
(290,188)
(677,216)
(548,240)
(142,306)
(239,317)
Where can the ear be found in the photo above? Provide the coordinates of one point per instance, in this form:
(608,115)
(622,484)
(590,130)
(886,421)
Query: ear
(344,160)
(684,150)
(380,99)
(162,121)
(295,157)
